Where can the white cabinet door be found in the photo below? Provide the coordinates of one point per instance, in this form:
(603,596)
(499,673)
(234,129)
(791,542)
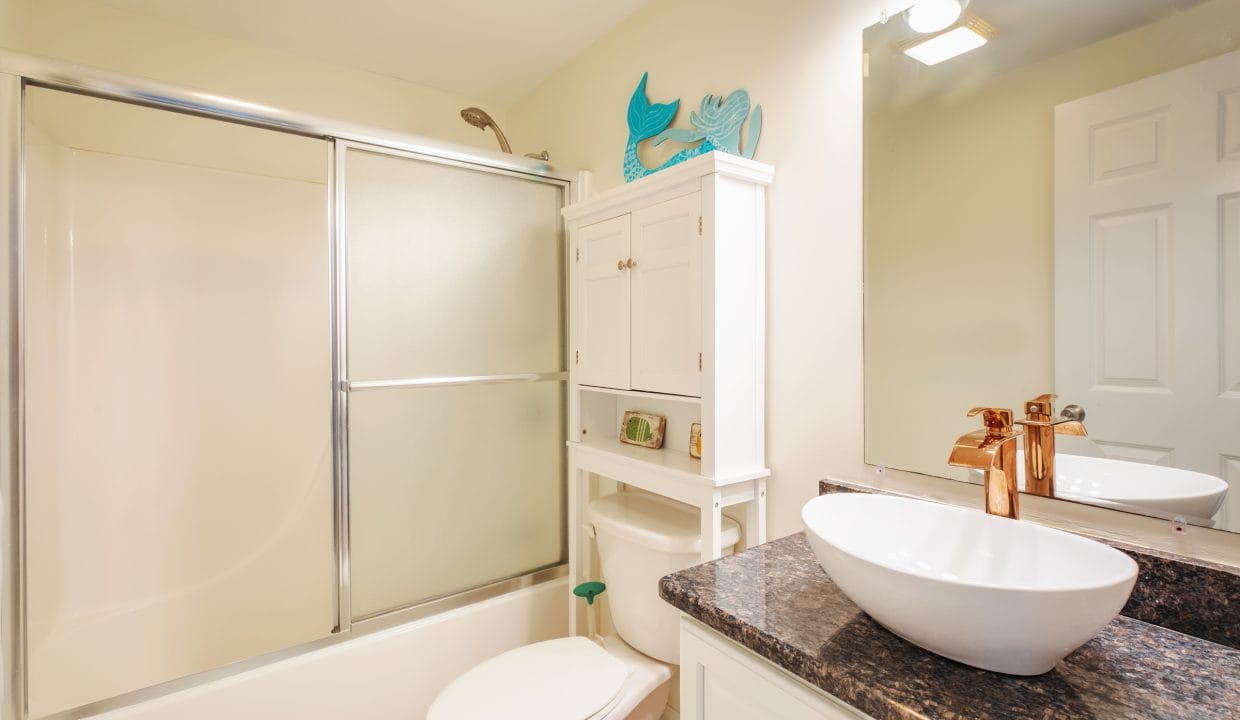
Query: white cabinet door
(722,681)
(603,332)
(1147,267)
(667,297)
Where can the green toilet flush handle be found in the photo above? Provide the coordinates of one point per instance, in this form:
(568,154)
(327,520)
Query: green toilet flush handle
(588,590)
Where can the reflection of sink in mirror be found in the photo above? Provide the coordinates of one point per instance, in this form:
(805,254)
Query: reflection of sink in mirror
(1136,487)
(998,594)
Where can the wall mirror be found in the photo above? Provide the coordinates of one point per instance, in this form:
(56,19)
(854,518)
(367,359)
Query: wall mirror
(1052,206)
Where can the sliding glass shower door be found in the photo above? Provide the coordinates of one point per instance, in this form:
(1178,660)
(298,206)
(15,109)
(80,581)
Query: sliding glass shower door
(242,427)
(178,396)
(455,382)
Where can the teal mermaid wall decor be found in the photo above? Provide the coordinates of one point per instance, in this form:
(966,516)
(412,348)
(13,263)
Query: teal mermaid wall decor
(716,126)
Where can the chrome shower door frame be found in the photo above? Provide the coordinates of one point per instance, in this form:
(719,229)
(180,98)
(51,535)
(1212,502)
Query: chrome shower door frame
(13,412)
(18,71)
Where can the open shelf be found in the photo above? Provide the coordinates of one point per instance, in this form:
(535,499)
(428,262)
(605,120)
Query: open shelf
(653,464)
(666,459)
(641,394)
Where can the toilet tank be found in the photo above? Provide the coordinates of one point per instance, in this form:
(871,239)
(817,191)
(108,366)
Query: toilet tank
(641,538)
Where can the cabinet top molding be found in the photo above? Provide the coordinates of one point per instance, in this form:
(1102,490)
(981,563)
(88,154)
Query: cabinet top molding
(716,163)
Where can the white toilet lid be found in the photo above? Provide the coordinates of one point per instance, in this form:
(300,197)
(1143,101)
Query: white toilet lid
(566,679)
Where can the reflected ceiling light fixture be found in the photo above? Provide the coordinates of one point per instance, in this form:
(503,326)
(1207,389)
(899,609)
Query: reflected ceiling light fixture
(927,16)
(971,34)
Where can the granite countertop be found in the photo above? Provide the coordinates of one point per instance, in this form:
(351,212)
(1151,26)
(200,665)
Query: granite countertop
(775,600)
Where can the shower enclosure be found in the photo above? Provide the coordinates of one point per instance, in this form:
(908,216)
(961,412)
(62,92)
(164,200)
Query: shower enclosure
(271,383)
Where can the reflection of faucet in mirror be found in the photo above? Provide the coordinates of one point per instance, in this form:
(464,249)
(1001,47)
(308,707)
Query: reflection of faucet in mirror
(1040,430)
(993,451)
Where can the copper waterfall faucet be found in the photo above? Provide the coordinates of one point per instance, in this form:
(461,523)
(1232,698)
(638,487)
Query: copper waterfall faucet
(993,451)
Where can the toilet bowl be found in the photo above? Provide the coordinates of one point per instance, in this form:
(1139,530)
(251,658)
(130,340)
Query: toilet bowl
(625,676)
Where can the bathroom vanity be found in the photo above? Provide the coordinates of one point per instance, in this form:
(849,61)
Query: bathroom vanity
(768,629)
(728,681)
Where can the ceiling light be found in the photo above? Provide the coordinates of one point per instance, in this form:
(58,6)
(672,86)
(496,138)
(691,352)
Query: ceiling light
(970,35)
(927,16)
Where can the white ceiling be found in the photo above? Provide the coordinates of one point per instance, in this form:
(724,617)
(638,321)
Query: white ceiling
(494,50)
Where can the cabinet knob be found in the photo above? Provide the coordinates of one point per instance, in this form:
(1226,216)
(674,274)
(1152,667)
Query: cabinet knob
(631,264)
(620,265)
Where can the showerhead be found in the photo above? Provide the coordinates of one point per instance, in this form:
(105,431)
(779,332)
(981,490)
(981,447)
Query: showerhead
(477,117)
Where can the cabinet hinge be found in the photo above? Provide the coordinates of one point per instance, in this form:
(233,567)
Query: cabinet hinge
(578,254)
(577,357)
(699,362)
(699,224)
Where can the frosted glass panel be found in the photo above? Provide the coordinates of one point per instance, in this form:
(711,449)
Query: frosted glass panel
(179,494)
(452,488)
(450,271)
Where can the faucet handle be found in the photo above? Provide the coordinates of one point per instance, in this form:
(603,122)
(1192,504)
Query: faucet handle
(1041,407)
(1073,412)
(998,421)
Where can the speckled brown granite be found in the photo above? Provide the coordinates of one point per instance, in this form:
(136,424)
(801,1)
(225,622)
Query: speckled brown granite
(775,600)
(1184,594)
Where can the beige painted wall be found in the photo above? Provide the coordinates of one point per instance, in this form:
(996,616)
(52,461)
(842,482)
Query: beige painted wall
(15,24)
(801,60)
(960,209)
(90,33)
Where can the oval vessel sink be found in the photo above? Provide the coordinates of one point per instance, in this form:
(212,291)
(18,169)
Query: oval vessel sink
(994,593)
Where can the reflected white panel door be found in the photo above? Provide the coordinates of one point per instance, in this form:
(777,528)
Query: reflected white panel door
(667,297)
(1147,267)
(603,334)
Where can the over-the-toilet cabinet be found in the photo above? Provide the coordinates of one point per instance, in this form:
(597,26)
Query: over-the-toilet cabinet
(667,290)
(640,299)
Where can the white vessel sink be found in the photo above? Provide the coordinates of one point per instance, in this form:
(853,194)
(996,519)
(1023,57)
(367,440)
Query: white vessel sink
(998,594)
(1140,487)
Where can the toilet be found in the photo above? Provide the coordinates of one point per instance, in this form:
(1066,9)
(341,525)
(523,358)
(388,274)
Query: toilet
(625,676)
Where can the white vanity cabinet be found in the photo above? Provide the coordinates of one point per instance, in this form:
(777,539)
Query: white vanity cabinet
(720,680)
(667,315)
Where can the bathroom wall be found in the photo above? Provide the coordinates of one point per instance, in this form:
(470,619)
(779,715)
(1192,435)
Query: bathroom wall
(801,60)
(994,146)
(15,24)
(91,33)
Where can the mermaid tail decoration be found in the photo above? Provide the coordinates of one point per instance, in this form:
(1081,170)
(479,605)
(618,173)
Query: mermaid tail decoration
(645,121)
(717,124)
